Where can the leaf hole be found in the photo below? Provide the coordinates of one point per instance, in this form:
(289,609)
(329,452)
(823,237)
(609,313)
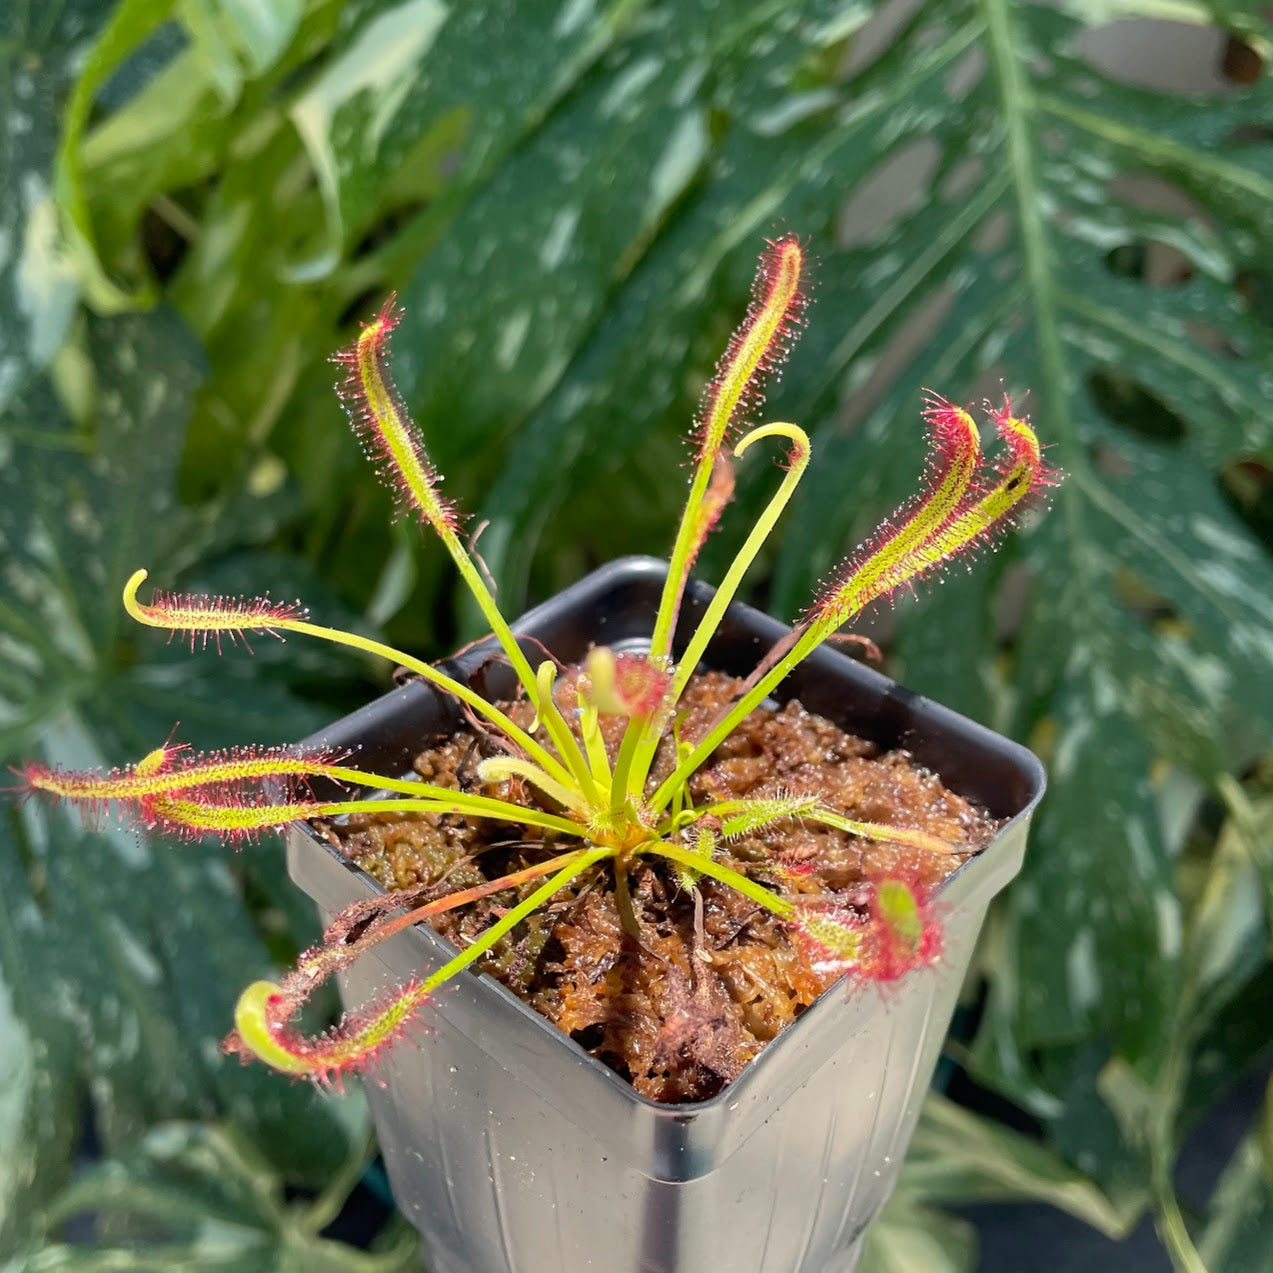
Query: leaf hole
(1148,192)
(993,234)
(1128,405)
(906,344)
(1109,461)
(1212,338)
(895,187)
(1170,57)
(1256,288)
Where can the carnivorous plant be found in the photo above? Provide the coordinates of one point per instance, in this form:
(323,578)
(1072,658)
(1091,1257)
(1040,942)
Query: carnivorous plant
(600,801)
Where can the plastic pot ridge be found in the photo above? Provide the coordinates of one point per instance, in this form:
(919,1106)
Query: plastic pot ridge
(513,1151)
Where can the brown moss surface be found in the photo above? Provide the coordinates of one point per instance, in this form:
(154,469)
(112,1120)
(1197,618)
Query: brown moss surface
(714,977)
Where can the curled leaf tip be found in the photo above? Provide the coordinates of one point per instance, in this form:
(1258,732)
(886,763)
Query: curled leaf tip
(890,930)
(263,1032)
(208,618)
(951,428)
(384,429)
(1021,447)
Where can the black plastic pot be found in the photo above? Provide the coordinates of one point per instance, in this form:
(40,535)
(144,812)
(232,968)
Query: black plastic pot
(513,1151)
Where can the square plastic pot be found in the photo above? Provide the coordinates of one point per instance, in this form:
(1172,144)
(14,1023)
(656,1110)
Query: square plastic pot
(513,1151)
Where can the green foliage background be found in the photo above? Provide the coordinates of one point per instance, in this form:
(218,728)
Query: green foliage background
(199,200)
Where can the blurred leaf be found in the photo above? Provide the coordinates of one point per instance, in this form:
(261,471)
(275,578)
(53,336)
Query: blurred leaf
(120,956)
(570,198)
(1097,885)
(911,1238)
(170,130)
(958,1157)
(203,1200)
(1229,927)
(1238,1233)
(40,48)
(946,644)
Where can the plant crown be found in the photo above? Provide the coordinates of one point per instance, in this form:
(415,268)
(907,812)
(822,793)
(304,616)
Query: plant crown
(604,807)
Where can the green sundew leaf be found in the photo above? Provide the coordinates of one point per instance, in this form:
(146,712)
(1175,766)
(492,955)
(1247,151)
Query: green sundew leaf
(1106,888)
(911,1238)
(202,1199)
(1238,1232)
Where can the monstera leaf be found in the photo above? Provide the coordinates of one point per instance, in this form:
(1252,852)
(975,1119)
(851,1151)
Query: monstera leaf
(1238,1233)
(38,287)
(121,955)
(1145,639)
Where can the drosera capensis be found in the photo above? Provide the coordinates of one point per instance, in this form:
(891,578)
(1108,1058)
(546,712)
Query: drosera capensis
(598,803)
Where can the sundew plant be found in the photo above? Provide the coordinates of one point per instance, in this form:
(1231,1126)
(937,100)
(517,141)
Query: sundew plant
(598,802)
